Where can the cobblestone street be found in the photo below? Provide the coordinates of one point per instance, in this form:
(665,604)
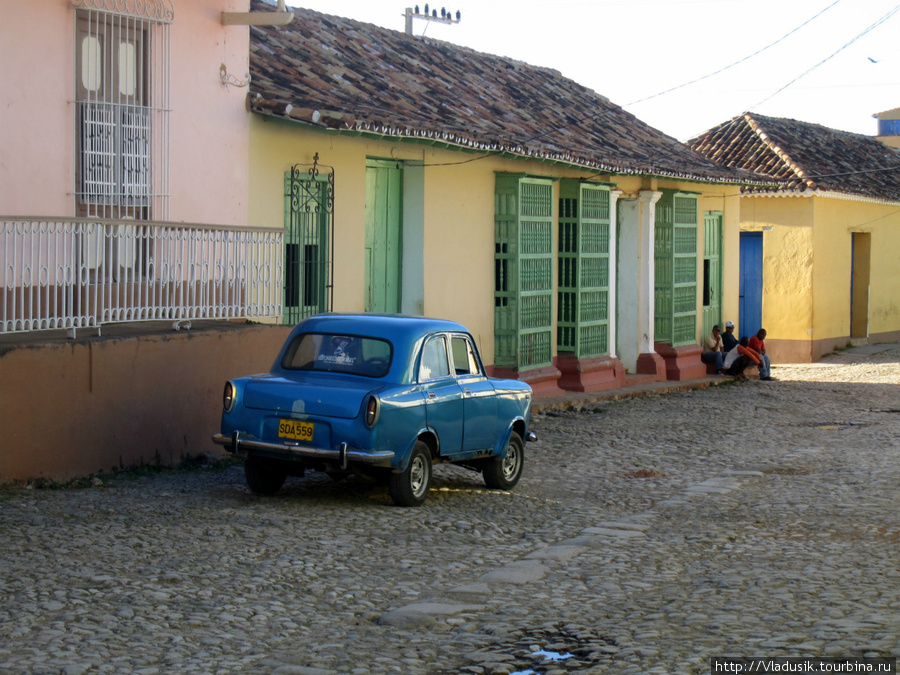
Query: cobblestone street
(646,536)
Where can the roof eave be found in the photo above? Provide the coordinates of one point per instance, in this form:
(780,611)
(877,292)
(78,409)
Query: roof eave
(451,141)
(824,194)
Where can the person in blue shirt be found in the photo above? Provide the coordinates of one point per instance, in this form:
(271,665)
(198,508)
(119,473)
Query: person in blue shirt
(729,341)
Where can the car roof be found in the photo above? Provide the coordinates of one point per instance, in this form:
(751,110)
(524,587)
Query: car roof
(389,326)
(402,331)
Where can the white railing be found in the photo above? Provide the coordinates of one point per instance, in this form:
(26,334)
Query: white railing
(58,273)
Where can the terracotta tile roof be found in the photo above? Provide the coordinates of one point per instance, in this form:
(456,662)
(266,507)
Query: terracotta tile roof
(355,77)
(804,156)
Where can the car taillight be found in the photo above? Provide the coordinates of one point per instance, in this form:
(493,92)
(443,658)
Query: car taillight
(372,409)
(228,397)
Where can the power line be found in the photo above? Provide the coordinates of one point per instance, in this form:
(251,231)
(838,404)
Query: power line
(739,61)
(828,58)
(854,173)
(671,89)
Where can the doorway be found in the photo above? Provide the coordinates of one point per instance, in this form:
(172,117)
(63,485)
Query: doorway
(712,270)
(751,284)
(861,250)
(384,255)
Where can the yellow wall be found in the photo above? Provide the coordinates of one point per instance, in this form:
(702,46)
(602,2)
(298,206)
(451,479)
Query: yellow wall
(807,262)
(836,220)
(458,246)
(787,226)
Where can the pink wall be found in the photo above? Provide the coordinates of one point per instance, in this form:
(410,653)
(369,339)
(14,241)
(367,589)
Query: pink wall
(89,406)
(208,124)
(36,116)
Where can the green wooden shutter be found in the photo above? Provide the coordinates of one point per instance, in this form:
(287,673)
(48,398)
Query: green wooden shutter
(383,262)
(583,309)
(523,267)
(712,270)
(676,269)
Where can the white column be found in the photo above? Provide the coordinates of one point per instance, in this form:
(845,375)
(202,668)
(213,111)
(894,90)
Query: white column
(647,281)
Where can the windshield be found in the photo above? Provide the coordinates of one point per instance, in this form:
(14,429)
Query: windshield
(352,354)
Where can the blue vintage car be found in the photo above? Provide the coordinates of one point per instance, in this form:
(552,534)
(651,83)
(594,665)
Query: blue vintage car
(381,396)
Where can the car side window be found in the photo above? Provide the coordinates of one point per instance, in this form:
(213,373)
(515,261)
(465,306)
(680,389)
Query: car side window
(434,359)
(464,360)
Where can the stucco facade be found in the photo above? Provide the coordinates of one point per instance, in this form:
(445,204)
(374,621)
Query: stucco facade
(808,266)
(830,231)
(150,395)
(448,226)
(208,135)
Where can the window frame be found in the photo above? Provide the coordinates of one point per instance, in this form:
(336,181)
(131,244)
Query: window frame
(421,376)
(121,118)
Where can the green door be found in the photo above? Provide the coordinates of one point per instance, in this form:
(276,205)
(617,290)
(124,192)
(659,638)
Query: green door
(583,308)
(712,271)
(523,272)
(384,181)
(676,269)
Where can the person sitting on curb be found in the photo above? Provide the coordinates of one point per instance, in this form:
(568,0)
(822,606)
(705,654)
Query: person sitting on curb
(739,358)
(729,342)
(713,351)
(757,343)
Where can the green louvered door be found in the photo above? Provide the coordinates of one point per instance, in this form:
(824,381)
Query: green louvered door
(384,181)
(676,269)
(712,270)
(523,290)
(583,310)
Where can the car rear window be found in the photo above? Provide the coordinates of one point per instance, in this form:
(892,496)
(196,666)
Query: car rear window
(352,354)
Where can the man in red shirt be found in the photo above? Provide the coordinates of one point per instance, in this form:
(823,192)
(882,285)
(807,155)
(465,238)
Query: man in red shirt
(757,344)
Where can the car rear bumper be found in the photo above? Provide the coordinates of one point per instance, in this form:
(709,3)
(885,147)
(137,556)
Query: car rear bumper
(343,455)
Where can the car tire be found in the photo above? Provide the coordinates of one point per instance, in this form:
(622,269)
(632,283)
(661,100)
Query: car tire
(263,478)
(502,473)
(410,487)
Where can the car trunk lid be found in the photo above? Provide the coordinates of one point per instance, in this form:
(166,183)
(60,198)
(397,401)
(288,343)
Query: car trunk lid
(322,396)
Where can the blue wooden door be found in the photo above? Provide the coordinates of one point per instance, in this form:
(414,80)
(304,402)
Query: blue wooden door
(751,285)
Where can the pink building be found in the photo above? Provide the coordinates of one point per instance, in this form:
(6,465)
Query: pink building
(123,164)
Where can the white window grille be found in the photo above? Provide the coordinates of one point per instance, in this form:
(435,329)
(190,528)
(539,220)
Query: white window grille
(122,108)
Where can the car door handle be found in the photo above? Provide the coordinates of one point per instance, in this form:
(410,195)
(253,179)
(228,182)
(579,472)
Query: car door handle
(467,392)
(431,394)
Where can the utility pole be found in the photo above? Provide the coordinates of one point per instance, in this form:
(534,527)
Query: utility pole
(445,17)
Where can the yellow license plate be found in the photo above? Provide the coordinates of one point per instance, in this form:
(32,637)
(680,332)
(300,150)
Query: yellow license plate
(296,430)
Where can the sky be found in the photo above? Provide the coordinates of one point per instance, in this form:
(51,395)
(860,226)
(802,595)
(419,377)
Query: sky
(830,62)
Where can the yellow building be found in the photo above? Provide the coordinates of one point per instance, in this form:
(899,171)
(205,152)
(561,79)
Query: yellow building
(820,254)
(576,242)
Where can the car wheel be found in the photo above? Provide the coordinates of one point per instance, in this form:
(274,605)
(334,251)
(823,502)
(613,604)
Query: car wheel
(502,473)
(263,478)
(410,487)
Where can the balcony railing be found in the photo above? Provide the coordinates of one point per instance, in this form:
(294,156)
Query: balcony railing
(58,273)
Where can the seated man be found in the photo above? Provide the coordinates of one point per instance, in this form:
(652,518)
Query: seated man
(757,343)
(729,342)
(713,351)
(739,358)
